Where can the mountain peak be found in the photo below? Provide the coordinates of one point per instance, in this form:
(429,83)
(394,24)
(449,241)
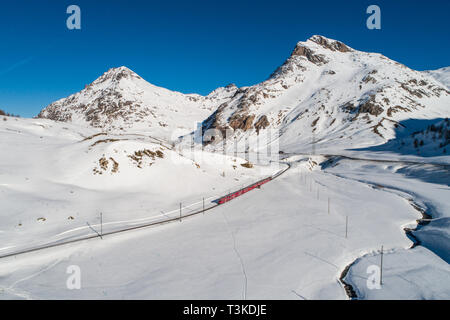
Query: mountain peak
(330,44)
(121,100)
(117,74)
(312,49)
(121,69)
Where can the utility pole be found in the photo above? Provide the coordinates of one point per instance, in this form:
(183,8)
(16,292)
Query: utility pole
(328,205)
(180,211)
(381,267)
(101,225)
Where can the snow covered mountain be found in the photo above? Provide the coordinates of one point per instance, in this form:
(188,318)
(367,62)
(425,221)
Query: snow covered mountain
(325,92)
(121,101)
(336,95)
(100,162)
(442,75)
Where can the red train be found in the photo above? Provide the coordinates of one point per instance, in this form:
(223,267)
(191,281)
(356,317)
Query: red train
(236,194)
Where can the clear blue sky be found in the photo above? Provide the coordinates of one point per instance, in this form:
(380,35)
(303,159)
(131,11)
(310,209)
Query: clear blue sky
(195,46)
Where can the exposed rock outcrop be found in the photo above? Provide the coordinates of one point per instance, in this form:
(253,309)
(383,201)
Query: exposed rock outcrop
(262,123)
(303,51)
(331,45)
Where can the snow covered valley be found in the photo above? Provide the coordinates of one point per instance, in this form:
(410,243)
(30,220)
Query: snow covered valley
(119,182)
(277,242)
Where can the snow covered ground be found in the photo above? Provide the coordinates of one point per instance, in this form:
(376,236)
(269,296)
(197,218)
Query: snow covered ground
(422,272)
(57,178)
(120,151)
(279,242)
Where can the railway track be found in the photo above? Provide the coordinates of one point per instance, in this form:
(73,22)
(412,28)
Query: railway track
(406,162)
(127,229)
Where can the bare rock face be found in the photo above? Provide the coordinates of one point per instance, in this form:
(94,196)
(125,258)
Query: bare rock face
(309,54)
(391,110)
(371,107)
(242,122)
(318,59)
(214,121)
(367,106)
(262,123)
(331,45)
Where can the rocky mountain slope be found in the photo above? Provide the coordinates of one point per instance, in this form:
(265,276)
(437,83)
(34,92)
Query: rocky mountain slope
(325,93)
(334,95)
(431,141)
(121,101)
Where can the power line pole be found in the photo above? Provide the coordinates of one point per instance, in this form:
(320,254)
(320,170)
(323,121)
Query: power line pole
(101,225)
(381,267)
(328,205)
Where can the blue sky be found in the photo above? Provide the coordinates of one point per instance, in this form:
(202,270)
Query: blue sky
(195,46)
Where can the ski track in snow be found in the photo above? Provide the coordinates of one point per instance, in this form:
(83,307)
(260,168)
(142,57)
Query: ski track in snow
(24,294)
(241,261)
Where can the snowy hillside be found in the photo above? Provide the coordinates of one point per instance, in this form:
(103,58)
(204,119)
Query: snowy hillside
(56,177)
(336,95)
(121,101)
(429,140)
(442,75)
